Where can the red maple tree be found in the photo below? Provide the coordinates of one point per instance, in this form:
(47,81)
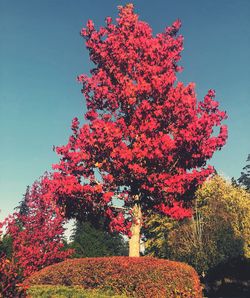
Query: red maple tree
(147,140)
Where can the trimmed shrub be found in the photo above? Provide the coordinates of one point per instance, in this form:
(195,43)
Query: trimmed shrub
(134,277)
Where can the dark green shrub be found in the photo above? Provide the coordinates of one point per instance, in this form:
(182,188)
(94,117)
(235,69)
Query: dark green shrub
(230,279)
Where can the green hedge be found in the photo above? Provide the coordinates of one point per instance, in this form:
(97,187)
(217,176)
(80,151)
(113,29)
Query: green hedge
(134,277)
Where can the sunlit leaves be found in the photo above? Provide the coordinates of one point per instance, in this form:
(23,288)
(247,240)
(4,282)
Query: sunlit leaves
(146,135)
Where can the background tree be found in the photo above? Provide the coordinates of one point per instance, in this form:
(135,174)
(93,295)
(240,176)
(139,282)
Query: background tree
(244,179)
(6,240)
(10,273)
(23,208)
(148,139)
(92,241)
(218,231)
(6,245)
(36,237)
(38,233)
(155,233)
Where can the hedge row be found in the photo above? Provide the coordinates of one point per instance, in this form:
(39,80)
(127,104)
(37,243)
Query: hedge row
(134,277)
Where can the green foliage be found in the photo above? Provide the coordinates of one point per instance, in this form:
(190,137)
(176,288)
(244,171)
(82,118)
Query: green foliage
(23,208)
(6,240)
(94,241)
(218,231)
(68,292)
(6,246)
(244,179)
(156,231)
(134,277)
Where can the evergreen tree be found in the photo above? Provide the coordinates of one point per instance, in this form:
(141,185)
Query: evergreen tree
(6,240)
(23,207)
(91,240)
(6,246)
(244,179)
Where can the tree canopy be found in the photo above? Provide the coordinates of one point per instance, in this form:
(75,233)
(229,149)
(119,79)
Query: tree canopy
(147,140)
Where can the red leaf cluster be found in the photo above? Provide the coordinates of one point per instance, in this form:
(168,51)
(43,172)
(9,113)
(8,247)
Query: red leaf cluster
(36,238)
(10,274)
(147,135)
(9,278)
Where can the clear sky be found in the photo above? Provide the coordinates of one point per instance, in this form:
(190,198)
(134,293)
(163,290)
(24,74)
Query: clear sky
(41,53)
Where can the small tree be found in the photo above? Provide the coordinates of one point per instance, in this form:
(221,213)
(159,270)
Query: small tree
(147,141)
(38,233)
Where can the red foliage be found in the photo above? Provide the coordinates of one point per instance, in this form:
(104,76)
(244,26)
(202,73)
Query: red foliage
(36,239)
(136,277)
(9,274)
(9,278)
(147,135)
(37,235)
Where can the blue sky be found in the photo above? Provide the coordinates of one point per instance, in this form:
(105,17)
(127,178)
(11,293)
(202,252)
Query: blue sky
(41,53)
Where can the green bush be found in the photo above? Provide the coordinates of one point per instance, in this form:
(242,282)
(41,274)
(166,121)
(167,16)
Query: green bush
(67,292)
(134,277)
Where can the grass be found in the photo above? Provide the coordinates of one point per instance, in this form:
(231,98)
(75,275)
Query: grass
(48,291)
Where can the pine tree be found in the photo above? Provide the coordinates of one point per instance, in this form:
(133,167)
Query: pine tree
(91,241)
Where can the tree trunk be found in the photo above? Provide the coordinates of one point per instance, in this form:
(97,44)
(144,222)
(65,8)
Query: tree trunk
(134,241)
